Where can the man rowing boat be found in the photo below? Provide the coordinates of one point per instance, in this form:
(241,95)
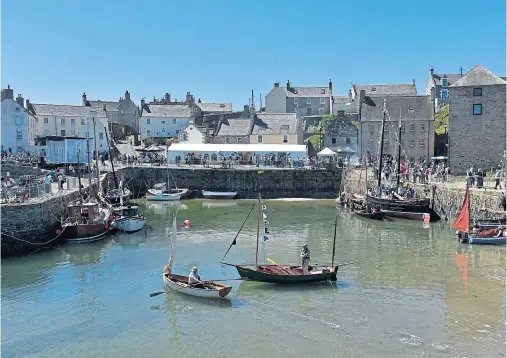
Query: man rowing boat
(194,279)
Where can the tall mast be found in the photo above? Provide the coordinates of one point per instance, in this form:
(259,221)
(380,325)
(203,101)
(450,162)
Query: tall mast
(399,154)
(334,238)
(96,154)
(88,152)
(78,174)
(381,146)
(258,231)
(111,159)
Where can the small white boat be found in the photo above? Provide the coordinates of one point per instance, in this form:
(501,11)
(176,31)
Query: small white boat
(219,194)
(115,195)
(179,283)
(162,195)
(128,219)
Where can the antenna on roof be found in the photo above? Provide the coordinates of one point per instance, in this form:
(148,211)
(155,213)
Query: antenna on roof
(253,103)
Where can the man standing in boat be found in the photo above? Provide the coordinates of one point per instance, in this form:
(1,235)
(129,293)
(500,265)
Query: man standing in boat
(194,279)
(305,259)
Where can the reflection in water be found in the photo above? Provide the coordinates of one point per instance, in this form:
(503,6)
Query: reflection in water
(85,254)
(461,261)
(209,204)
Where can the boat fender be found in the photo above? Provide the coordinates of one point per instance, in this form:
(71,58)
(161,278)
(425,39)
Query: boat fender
(58,231)
(106,226)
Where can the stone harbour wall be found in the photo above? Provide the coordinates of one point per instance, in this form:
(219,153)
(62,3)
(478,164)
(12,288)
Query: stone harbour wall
(248,182)
(18,170)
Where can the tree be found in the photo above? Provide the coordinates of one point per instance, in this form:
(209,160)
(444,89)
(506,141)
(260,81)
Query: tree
(170,141)
(442,120)
(318,131)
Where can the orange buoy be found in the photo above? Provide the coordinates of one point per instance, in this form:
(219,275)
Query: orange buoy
(106,226)
(187,222)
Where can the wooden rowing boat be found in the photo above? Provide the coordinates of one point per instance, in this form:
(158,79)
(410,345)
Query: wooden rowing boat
(180,284)
(379,215)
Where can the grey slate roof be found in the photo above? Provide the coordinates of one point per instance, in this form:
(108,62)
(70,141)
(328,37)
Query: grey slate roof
(340,99)
(479,76)
(166,110)
(451,78)
(341,127)
(215,107)
(235,126)
(65,110)
(412,108)
(386,90)
(308,92)
(110,106)
(271,123)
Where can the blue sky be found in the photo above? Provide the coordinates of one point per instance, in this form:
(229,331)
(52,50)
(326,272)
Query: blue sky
(54,50)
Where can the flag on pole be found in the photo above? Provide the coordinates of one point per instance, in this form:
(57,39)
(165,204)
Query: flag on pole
(264,207)
(266,231)
(266,238)
(266,222)
(264,216)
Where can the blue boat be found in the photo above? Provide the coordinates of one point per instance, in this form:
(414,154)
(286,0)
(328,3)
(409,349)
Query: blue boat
(500,240)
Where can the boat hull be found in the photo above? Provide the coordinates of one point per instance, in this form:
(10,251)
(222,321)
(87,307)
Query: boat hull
(129,224)
(486,240)
(409,206)
(83,233)
(177,283)
(219,194)
(163,197)
(265,276)
(404,215)
(373,216)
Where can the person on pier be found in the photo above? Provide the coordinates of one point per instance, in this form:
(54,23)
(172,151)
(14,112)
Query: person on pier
(305,259)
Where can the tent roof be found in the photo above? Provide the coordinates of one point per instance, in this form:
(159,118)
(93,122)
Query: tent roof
(326,152)
(238,148)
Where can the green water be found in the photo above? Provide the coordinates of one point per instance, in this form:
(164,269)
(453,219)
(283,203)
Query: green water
(416,293)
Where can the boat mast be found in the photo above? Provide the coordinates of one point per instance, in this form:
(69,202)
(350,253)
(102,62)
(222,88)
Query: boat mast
(399,154)
(334,238)
(258,231)
(88,151)
(381,146)
(78,174)
(96,155)
(111,159)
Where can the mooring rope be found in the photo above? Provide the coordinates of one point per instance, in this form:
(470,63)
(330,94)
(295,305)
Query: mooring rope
(34,243)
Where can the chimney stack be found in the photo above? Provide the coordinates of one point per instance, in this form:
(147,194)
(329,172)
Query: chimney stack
(330,85)
(350,96)
(246,108)
(27,105)
(413,82)
(199,101)
(20,100)
(104,106)
(431,70)
(7,93)
(189,98)
(167,97)
(142,103)
(461,71)
(127,95)
(84,99)
(277,84)
(288,85)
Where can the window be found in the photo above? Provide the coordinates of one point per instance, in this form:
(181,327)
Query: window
(309,111)
(101,136)
(477,109)
(444,93)
(371,143)
(227,141)
(296,102)
(423,128)
(121,112)
(239,140)
(477,92)
(285,138)
(177,131)
(148,121)
(259,139)
(148,132)
(386,144)
(163,122)
(72,132)
(284,127)
(17,109)
(321,110)
(19,135)
(347,140)
(371,127)
(308,101)
(333,140)
(412,127)
(62,132)
(444,82)
(421,142)
(174,120)
(322,101)
(82,122)
(46,121)
(62,121)
(46,132)
(72,122)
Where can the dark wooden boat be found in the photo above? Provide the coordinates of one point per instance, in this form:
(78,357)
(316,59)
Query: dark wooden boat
(283,274)
(87,222)
(404,215)
(379,215)
(409,206)
(114,196)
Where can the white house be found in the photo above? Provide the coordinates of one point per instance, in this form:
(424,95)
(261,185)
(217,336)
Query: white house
(14,123)
(164,120)
(192,134)
(70,121)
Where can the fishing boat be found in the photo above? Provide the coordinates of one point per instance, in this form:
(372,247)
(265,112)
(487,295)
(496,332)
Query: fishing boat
(404,215)
(115,195)
(379,215)
(219,194)
(86,222)
(162,195)
(180,284)
(283,274)
(462,224)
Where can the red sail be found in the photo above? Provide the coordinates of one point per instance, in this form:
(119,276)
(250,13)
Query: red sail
(462,221)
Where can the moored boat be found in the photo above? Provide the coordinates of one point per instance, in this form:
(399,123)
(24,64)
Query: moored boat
(418,206)
(219,194)
(404,215)
(486,240)
(115,195)
(162,195)
(127,219)
(378,215)
(87,222)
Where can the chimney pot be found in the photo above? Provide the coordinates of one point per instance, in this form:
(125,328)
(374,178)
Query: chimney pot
(84,99)
(330,85)
(413,82)
(431,70)
(277,84)
(288,85)
(127,94)
(461,71)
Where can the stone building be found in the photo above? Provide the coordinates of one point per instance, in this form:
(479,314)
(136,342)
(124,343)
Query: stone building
(437,86)
(303,101)
(477,121)
(417,123)
(17,125)
(341,134)
(277,128)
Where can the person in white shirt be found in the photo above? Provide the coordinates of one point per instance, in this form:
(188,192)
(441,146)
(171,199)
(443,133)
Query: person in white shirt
(194,279)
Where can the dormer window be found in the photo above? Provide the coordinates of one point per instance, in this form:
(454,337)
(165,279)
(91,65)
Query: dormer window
(284,127)
(444,93)
(323,91)
(444,82)
(373,89)
(222,105)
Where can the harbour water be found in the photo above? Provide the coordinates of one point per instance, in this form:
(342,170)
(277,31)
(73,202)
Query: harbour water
(416,293)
